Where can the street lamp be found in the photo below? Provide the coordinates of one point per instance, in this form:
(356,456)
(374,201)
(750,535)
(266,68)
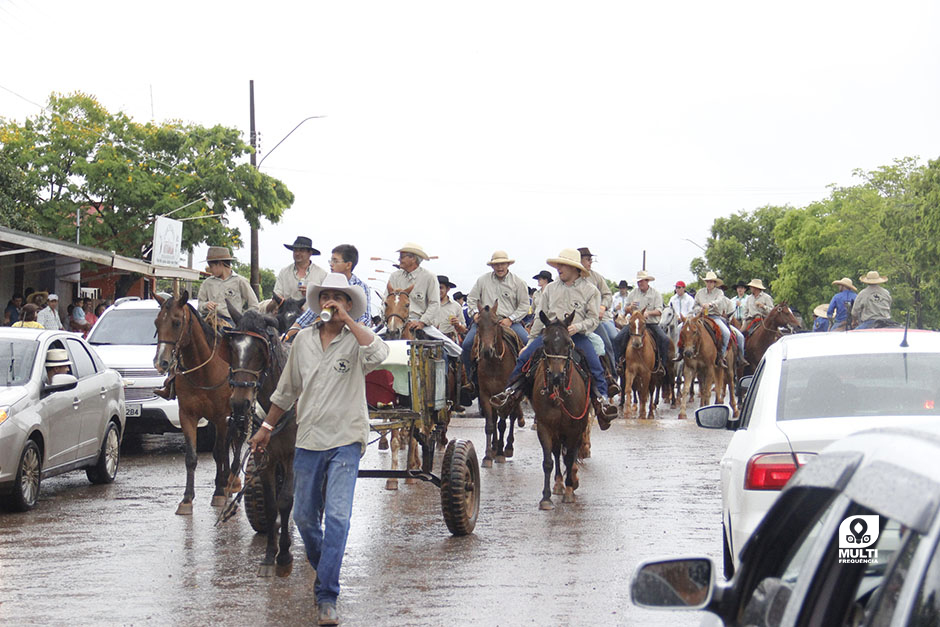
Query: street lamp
(696,244)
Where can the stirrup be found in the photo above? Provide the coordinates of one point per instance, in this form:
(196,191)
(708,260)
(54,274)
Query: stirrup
(612,389)
(502,400)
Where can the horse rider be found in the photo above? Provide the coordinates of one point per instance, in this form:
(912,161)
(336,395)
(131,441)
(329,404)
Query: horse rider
(544,277)
(224,284)
(645,297)
(571,293)
(740,302)
(325,376)
(509,290)
(619,303)
(425,298)
(343,260)
(758,304)
(841,303)
(681,303)
(713,298)
(606,329)
(292,280)
(726,308)
(450,316)
(461,300)
(821,319)
(873,303)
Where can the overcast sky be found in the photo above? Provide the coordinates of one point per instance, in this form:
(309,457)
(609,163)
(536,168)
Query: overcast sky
(524,126)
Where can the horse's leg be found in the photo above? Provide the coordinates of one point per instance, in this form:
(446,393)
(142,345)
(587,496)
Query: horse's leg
(627,389)
(559,487)
(188,424)
(545,441)
(570,469)
(236,438)
(644,393)
(683,394)
(584,450)
(516,414)
(500,439)
(223,472)
(285,503)
(489,427)
(705,385)
(268,483)
(392,484)
(414,457)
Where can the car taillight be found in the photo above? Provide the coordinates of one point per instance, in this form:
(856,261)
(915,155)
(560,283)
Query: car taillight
(771,471)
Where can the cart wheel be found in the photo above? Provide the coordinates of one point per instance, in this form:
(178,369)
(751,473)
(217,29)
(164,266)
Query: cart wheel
(254,497)
(460,487)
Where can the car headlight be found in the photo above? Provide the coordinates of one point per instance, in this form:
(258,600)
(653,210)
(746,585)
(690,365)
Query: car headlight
(4,413)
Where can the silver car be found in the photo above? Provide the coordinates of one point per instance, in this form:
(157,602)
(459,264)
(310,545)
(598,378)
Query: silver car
(74,421)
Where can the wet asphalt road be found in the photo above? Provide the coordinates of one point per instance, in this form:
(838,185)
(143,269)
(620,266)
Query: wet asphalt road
(117,554)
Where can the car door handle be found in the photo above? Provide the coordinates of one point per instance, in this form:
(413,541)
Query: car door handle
(76,403)
(103,392)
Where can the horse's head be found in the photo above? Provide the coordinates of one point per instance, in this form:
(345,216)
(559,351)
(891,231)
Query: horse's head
(556,346)
(285,310)
(489,331)
(782,316)
(397,307)
(637,326)
(173,329)
(690,336)
(251,344)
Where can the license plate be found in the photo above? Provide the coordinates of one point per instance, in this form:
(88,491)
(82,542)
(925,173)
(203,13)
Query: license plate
(132,411)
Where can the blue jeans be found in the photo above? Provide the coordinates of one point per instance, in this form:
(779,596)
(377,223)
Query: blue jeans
(324,484)
(725,333)
(467,345)
(608,332)
(740,336)
(582,342)
(868,323)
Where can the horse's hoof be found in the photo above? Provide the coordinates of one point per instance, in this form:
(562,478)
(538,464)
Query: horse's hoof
(568,497)
(585,452)
(411,481)
(534,427)
(558,488)
(266,570)
(546,505)
(391,484)
(521,421)
(383,443)
(508,452)
(284,570)
(184,509)
(682,416)
(672,406)
(218,501)
(500,459)
(487,462)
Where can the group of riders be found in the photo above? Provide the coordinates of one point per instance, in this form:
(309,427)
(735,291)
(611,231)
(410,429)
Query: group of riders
(599,328)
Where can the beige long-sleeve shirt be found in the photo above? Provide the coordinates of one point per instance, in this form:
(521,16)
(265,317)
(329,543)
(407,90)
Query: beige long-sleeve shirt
(759,306)
(329,387)
(714,299)
(873,302)
(559,299)
(650,300)
(288,283)
(448,310)
(607,297)
(425,297)
(236,288)
(510,291)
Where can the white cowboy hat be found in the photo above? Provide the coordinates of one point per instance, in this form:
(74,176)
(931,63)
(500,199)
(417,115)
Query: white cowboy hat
(821,311)
(338,282)
(642,275)
(872,278)
(57,357)
(414,249)
(500,256)
(711,276)
(567,257)
(757,283)
(847,282)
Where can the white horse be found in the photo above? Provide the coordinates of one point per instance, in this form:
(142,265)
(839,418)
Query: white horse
(671,324)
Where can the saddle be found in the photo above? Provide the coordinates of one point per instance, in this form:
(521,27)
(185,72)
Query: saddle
(509,336)
(752,326)
(578,358)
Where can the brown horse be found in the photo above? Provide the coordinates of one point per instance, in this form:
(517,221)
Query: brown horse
(496,357)
(199,356)
(762,332)
(699,354)
(397,307)
(257,359)
(561,397)
(638,364)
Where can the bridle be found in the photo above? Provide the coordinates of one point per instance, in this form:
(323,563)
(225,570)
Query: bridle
(555,393)
(259,375)
(176,358)
(498,332)
(397,293)
(776,330)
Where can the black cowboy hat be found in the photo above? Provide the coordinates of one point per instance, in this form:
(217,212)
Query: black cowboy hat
(302,243)
(586,252)
(544,274)
(623,283)
(443,280)
(738,284)
(459,295)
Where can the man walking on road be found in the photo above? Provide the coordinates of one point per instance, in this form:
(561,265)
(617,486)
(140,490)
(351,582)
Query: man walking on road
(325,375)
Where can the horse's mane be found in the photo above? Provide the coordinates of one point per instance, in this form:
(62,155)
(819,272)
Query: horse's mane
(207,329)
(261,324)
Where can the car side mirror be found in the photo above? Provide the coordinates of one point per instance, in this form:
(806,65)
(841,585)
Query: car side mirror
(713,416)
(744,384)
(60,383)
(674,584)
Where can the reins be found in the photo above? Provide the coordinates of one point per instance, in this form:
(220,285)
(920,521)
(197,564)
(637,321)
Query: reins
(177,357)
(554,393)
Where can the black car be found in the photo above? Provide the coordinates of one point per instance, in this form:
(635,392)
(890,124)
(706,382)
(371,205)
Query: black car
(852,540)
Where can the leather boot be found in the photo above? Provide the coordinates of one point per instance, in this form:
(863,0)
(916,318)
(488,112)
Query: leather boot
(508,398)
(605,412)
(612,388)
(168,391)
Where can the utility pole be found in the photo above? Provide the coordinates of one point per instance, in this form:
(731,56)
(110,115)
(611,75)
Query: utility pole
(255,278)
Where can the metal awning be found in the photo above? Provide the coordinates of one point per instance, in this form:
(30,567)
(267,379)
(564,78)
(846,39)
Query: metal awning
(29,242)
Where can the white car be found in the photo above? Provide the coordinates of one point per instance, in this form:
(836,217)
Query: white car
(809,390)
(125,338)
(74,421)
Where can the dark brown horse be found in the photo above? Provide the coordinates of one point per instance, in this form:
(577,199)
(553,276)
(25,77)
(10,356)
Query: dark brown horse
(699,354)
(561,397)
(496,357)
(762,332)
(286,310)
(638,364)
(199,357)
(257,360)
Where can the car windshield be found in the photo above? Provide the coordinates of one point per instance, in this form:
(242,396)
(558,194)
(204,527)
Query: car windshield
(883,384)
(128,326)
(16,361)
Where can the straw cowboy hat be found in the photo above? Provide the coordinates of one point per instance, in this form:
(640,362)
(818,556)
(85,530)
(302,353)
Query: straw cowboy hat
(302,243)
(567,257)
(500,256)
(219,253)
(338,282)
(643,275)
(872,278)
(757,283)
(57,357)
(821,311)
(847,282)
(414,249)
(711,276)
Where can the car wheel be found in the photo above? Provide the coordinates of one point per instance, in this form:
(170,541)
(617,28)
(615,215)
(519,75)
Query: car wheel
(728,561)
(26,484)
(105,469)
(205,438)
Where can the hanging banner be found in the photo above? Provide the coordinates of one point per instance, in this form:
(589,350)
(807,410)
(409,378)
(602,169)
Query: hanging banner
(167,242)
